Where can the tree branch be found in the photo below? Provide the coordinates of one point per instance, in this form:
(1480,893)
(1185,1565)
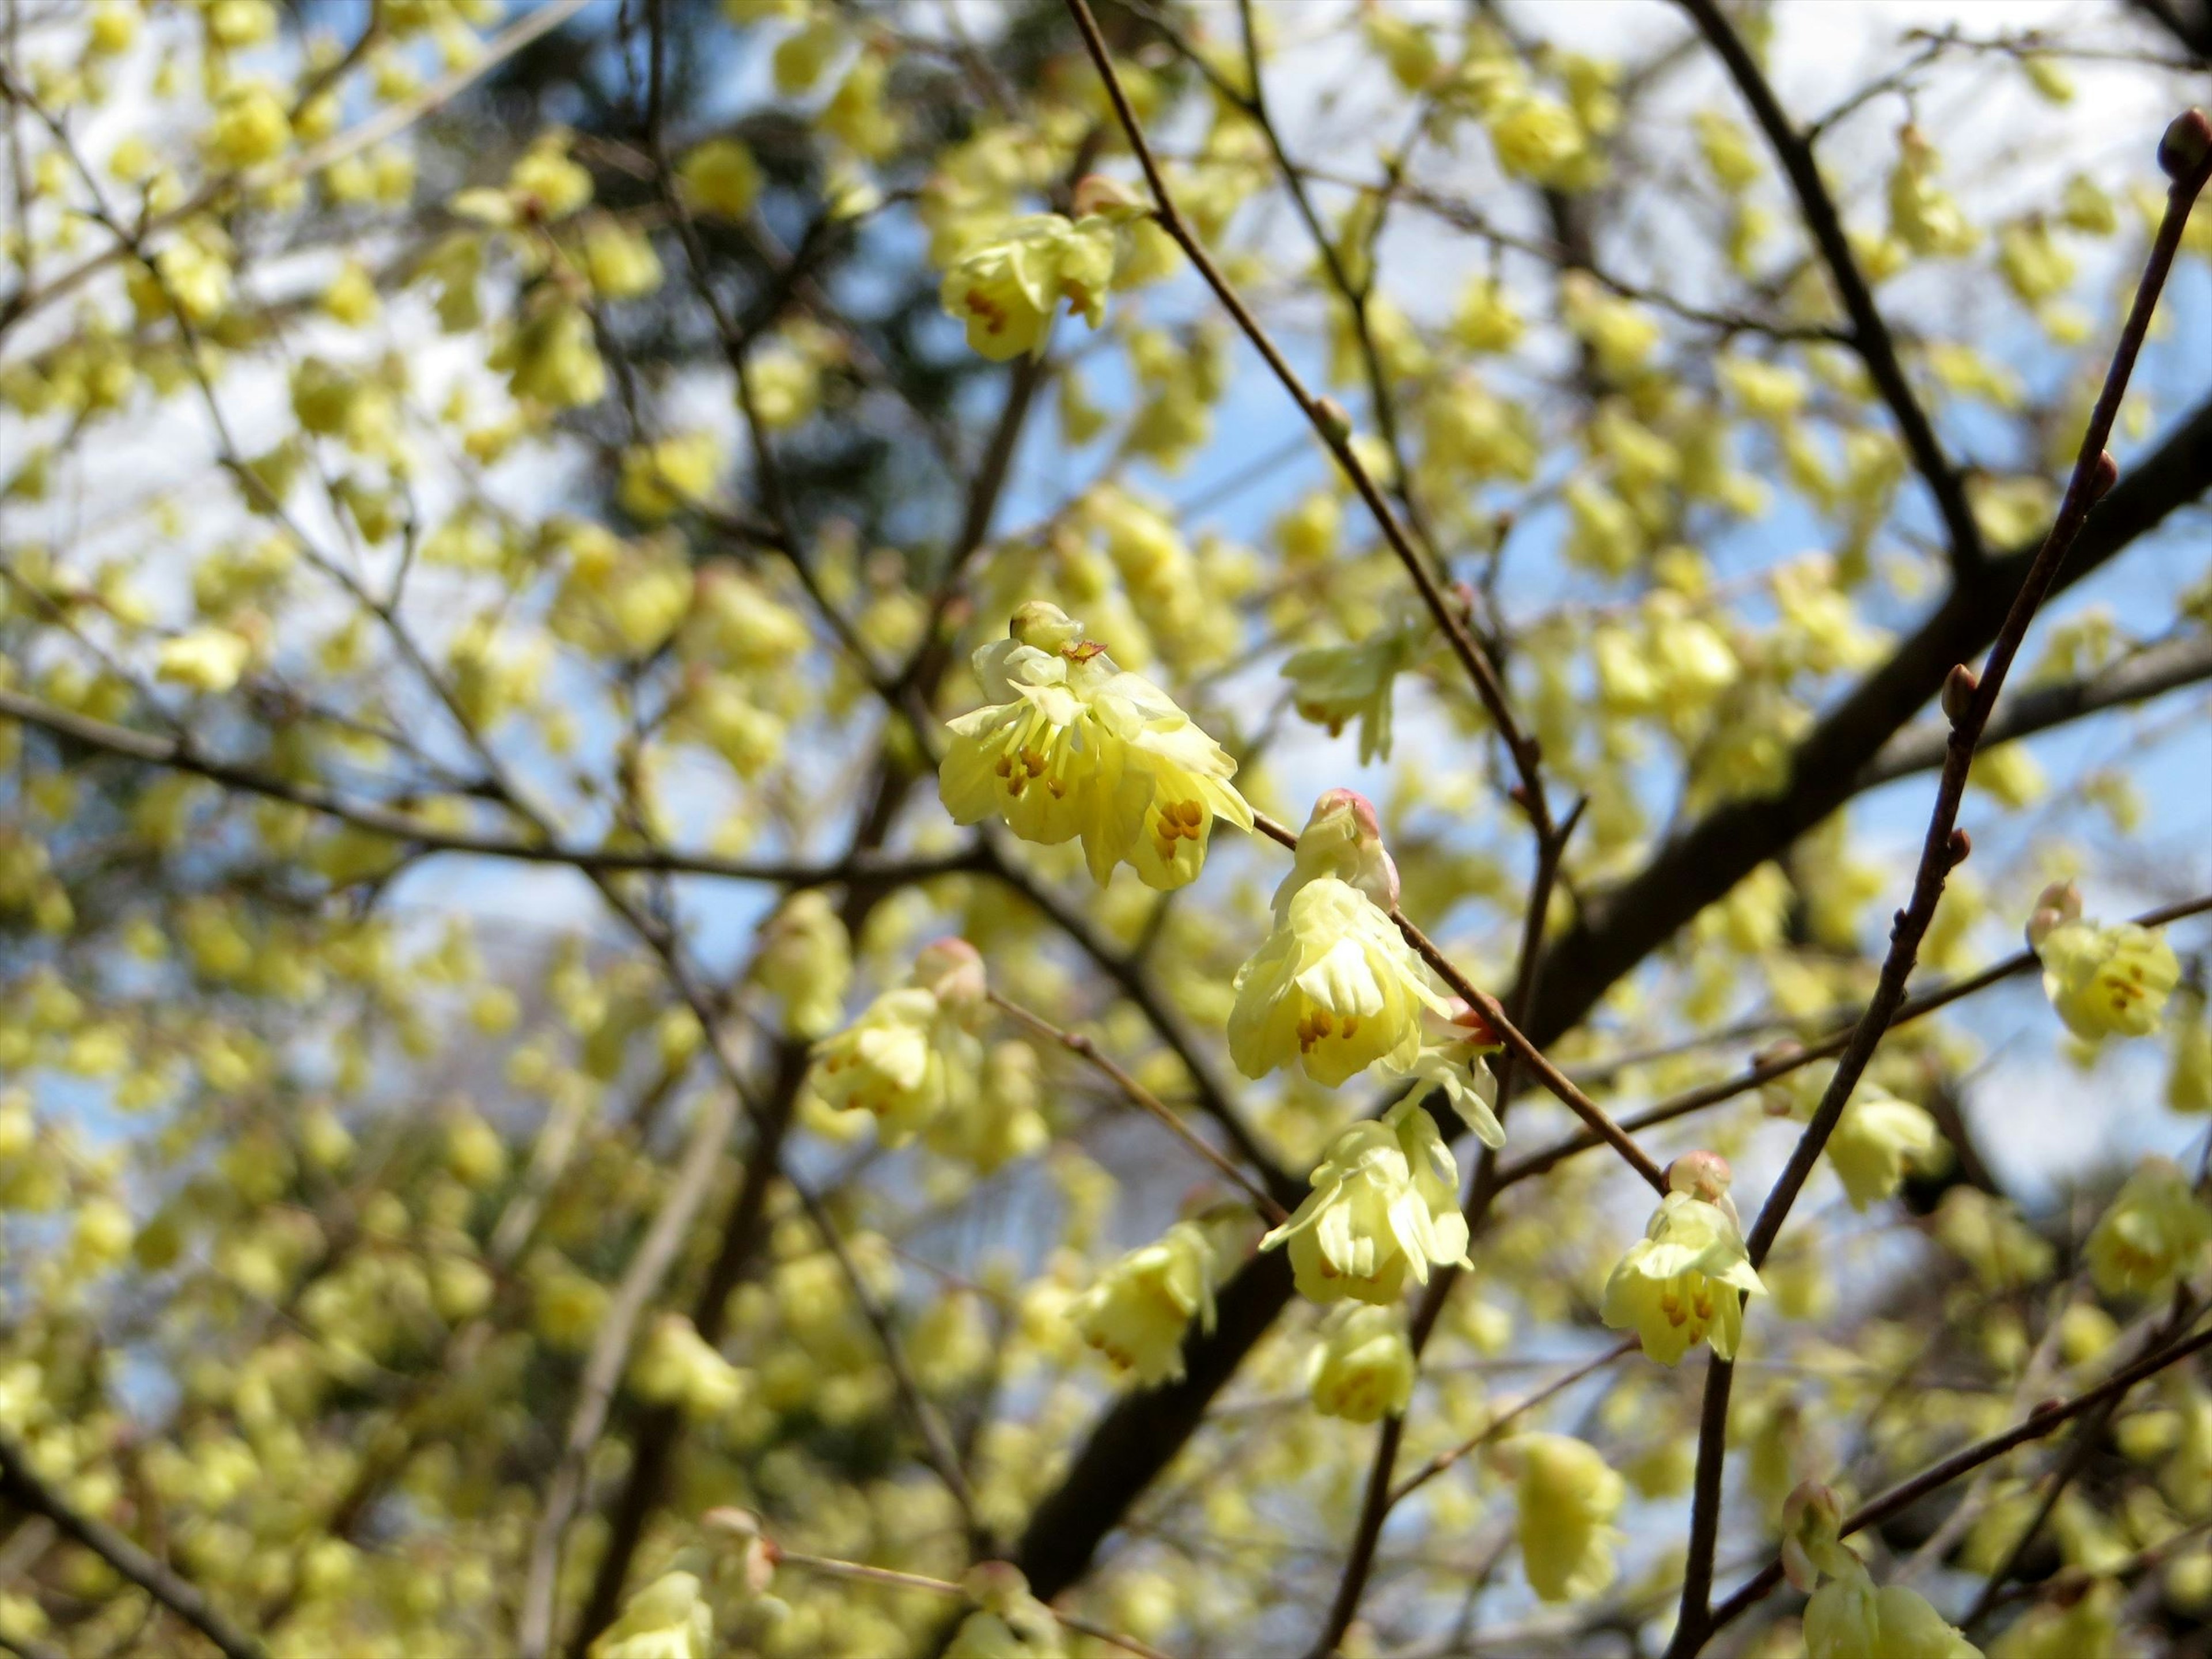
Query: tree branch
(1871,335)
(1970,703)
(2151,672)
(24,1485)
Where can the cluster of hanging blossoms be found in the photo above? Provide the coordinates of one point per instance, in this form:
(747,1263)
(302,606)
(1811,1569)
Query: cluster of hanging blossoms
(1068,745)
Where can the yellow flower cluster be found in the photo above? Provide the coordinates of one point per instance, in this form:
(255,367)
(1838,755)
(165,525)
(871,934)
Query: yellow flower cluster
(1070,746)
(912,1055)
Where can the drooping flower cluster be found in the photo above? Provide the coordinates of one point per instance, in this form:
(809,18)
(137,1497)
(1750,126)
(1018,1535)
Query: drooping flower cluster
(1567,1499)
(1008,290)
(1685,1281)
(1847,1618)
(1067,745)
(2155,1230)
(1334,988)
(1363,1367)
(669,1619)
(913,1055)
(1137,1312)
(2105,979)
(1384,1206)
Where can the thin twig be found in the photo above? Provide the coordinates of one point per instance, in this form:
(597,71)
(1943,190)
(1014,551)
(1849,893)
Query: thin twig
(1971,700)
(22,1484)
(1334,430)
(1078,1043)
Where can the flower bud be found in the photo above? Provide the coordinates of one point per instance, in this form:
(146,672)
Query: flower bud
(1096,193)
(1335,423)
(1811,1523)
(952,971)
(2186,143)
(1342,838)
(1701,1174)
(1043,624)
(1959,688)
(2059,903)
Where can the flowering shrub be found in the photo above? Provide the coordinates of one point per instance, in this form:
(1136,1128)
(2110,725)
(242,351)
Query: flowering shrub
(845,830)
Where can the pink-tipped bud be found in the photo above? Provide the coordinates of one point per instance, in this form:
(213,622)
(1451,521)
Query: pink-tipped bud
(1701,1174)
(952,971)
(759,1555)
(2055,906)
(1343,838)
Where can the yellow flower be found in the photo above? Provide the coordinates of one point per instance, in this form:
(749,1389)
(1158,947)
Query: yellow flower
(1007,290)
(912,1054)
(676,1366)
(806,960)
(1454,1059)
(1535,138)
(1873,1141)
(250,126)
(1069,744)
(1363,1365)
(2106,980)
(1009,1622)
(722,176)
(1334,988)
(1384,1204)
(666,1619)
(1847,1618)
(1683,1281)
(1924,215)
(544,184)
(1002,1122)
(1334,684)
(2189,1073)
(1567,1499)
(208,660)
(2155,1231)
(1138,1312)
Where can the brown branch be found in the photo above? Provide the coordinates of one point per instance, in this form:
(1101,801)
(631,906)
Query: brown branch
(1078,1044)
(1445,1460)
(2151,672)
(2187,153)
(23,1484)
(1871,335)
(1966,1460)
(1334,431)
(640,1281)
(1778,1065)
(183,754)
